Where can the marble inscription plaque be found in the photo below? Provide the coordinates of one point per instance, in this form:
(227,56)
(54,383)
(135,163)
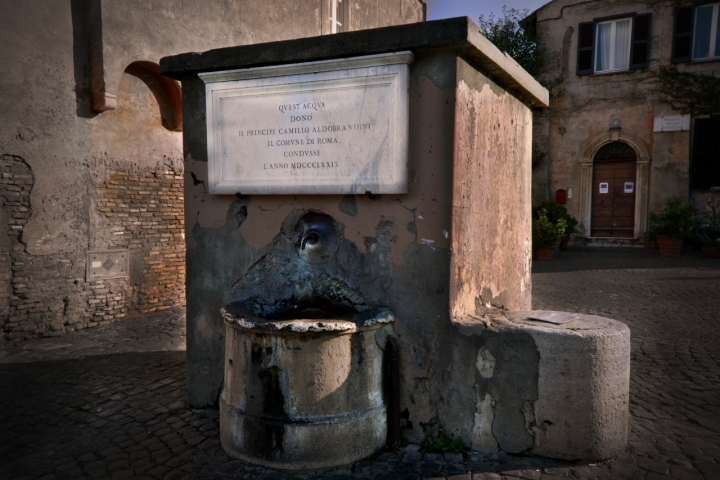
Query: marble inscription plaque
(672,123)
(330,127)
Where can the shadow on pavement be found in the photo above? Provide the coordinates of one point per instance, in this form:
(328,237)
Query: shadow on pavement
(64,414)
(619,258)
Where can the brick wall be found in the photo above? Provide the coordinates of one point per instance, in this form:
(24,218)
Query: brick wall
(145,215)
(48,295)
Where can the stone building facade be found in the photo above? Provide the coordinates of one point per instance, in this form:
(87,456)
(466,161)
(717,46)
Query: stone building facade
(91,167)
(608,138)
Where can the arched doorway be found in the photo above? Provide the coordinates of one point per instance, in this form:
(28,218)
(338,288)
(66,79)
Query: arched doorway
(614,191)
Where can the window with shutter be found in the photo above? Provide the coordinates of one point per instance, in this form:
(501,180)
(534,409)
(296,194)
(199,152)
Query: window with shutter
(640,52)
(705,165)
(706,40)
(614,44)
(682,41)
(586,45)
(697,32)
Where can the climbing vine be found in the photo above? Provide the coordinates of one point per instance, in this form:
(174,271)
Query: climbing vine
(687,92)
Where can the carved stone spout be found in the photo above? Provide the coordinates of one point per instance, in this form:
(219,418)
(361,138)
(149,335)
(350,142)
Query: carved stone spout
(316,237)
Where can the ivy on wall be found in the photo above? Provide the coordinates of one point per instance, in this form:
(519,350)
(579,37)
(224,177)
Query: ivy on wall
(687,92)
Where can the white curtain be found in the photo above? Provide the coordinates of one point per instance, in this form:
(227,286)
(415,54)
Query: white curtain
(613,46)
(703,30)
(604,44)
(622,44)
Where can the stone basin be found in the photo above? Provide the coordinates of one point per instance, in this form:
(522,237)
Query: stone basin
(305,392)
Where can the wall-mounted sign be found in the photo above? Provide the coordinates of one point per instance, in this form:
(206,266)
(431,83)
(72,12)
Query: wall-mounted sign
(672,123)
(604,187)
(108,264)
(629,187)
(329,127)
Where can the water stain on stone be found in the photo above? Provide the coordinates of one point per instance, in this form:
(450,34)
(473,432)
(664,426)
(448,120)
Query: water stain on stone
(263,437)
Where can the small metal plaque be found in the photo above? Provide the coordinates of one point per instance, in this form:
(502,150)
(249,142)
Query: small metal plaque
(108,264)
(604,187)
(553,317)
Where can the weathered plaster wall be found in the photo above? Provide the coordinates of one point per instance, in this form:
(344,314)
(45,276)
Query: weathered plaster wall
(130,29)
(491,197)
(583,108)
(520,386)
(55,212)
(540,146)
(376,14)
(53,56)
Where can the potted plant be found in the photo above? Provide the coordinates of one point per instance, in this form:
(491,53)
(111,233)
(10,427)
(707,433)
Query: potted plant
(677,222)
(569,231)
(710,244)
(546,233)
(710,231)
(555,212)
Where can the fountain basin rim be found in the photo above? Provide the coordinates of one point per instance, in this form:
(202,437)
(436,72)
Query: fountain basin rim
(237,316)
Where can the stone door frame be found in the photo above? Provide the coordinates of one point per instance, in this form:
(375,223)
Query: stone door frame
(642,180)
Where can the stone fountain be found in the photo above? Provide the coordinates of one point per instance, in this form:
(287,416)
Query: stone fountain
(335,183)
(303,384)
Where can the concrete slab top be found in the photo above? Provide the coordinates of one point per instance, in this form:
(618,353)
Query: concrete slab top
(583,325)
(460,35)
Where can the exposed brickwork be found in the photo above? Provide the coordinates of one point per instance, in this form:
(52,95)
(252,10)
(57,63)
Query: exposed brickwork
(146,216)
(47,295)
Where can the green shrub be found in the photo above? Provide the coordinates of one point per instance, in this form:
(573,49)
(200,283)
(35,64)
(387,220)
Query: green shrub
(551,222)
(709,234)
(442,444)
(546,231)
(677,221)
(555,212)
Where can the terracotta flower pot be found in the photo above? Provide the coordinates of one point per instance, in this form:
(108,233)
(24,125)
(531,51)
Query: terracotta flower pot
(564,241)
(710,252)
(669,247)
(544,253)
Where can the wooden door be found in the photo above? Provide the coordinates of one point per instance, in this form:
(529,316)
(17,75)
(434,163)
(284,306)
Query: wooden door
(613,194)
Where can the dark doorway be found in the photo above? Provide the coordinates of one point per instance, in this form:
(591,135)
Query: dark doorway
(705,171)
(613,192)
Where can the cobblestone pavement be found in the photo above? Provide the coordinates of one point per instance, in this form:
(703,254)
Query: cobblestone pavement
(157,331)
(109,402)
